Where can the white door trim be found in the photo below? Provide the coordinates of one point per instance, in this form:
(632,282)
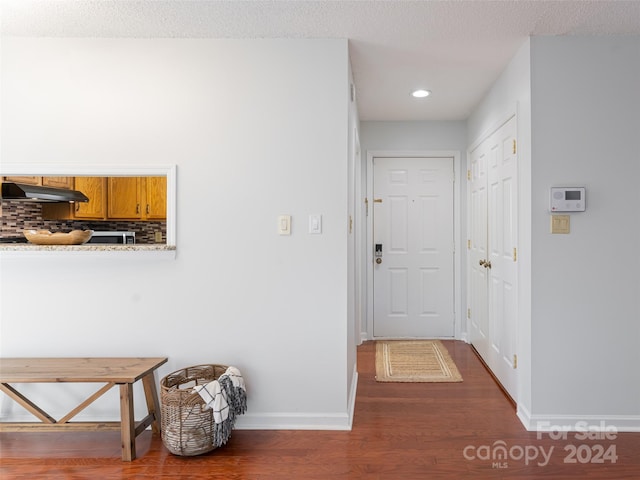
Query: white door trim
(367,332)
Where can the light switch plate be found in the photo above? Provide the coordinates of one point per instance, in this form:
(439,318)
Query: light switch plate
(560,223)
(315,224)
(284,225)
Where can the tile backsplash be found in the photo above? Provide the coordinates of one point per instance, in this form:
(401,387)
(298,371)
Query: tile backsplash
(19,216)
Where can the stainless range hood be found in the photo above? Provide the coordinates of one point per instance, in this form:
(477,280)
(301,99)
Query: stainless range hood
(35,193)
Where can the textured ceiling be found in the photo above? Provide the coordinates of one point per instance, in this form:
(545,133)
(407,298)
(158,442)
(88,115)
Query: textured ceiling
(455,48)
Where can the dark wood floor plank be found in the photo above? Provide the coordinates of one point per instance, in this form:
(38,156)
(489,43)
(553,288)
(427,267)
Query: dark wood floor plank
(400,431)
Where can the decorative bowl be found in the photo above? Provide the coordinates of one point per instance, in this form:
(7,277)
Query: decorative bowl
(45,237)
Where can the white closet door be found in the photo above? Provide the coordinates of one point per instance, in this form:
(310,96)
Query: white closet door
(493,254)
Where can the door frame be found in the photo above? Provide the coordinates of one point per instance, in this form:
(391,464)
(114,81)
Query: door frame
(367,329)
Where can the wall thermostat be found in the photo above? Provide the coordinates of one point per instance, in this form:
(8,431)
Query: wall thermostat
(567,199)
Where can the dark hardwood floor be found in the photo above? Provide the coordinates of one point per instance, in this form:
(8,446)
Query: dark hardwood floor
(400,431)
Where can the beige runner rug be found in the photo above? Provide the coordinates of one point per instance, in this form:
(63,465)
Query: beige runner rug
(414,361)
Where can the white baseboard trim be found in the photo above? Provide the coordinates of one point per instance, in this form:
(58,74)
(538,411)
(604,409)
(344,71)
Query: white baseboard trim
(294,421)
(578,423)
(256,421)
(276,421)
(302,421)
(523,415)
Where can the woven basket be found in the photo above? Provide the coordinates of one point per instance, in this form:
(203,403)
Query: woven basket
(187,428)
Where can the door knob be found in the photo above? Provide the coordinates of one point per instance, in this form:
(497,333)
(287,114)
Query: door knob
(487,264)
(482,263)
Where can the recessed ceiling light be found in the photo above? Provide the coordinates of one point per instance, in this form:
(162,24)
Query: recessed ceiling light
(421,93)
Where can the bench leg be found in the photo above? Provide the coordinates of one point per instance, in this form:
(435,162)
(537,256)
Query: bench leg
(153,405)
(127,422)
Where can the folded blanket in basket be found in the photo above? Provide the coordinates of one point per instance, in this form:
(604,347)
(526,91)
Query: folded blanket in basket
(214,397)
(227,397)
(237,395)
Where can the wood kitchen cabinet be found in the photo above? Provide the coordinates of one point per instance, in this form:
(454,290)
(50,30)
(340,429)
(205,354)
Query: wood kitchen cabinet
(138,198)
(156,198)
(25,180)
(56,182)
(114,198)
(124,197)
(95,188)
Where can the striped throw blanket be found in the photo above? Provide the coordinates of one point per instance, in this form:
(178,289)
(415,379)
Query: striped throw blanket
(227,397)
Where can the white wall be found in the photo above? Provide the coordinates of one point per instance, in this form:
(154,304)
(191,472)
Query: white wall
(414,136)
(585,285)
(419,137)
(512,93)
(578,121)
(257,128)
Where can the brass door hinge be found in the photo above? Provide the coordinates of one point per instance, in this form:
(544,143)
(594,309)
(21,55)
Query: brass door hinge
(366,206)
(468,313)
(514,146)
(515,361)
(350,224)
(515,254)
(468,174)
(469,244)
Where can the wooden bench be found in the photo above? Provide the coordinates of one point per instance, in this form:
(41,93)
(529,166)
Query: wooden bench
(111,371)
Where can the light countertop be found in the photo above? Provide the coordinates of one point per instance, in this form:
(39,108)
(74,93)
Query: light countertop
(28,247)
(26,250)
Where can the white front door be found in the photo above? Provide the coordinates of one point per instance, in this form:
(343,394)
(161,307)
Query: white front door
(413,279)
(493,254)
